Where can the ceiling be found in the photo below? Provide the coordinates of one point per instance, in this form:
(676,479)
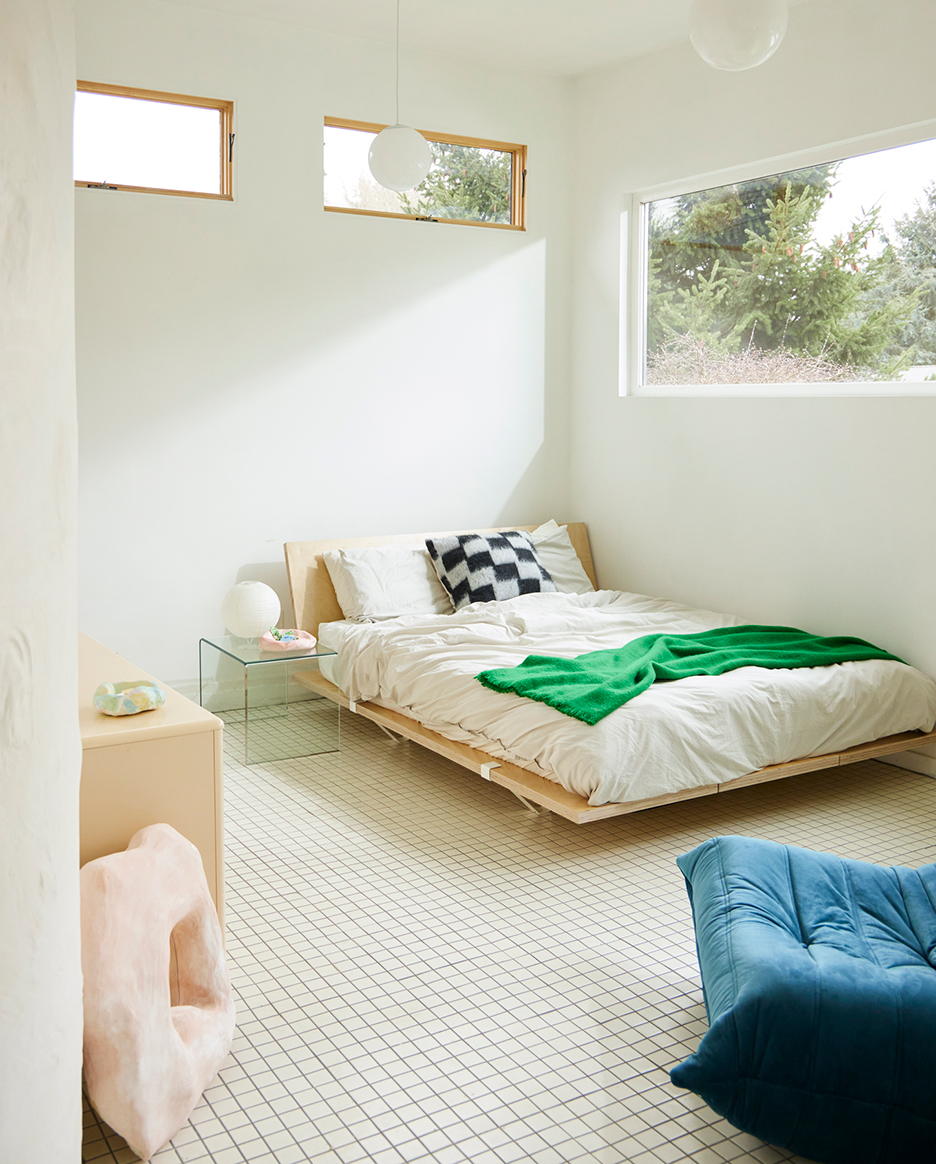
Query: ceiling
(565,37)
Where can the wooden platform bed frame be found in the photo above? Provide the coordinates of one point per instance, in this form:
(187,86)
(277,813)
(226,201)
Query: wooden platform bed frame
(314,602)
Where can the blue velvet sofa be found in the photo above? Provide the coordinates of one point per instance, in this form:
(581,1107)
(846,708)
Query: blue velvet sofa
(819,976)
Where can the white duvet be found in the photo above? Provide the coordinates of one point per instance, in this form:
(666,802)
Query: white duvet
(701,730)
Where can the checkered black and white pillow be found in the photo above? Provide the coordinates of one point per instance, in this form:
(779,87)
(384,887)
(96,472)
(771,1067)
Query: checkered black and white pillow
(488,568)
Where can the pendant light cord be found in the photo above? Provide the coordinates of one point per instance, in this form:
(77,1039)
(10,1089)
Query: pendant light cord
(397,62)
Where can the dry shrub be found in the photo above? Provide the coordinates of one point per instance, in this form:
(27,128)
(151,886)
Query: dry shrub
(690,359)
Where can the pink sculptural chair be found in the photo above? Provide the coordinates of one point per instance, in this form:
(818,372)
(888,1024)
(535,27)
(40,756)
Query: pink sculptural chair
(158,1011)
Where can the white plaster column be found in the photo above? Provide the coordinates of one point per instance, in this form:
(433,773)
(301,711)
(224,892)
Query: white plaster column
(40,979)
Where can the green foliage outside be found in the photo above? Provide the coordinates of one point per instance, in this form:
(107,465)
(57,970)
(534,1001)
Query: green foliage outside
(738,270)
(706,224)
(910,271)
(464,182)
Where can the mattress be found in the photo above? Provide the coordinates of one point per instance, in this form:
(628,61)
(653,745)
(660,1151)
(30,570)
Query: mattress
(674,736)
(330,667)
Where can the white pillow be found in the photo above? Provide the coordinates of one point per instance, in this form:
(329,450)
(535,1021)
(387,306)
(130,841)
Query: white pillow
(554,550)
(385,581)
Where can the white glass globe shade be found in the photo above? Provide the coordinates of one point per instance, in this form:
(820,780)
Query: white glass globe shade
(249,609)
(737,34)
(399,158)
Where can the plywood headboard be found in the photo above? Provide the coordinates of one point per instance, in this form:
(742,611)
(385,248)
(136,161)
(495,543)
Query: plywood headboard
(313,596)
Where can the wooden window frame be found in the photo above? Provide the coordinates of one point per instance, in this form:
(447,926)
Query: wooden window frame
(226,144)
(518,175)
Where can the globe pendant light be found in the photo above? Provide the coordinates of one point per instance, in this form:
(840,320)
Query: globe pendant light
(399,157)
(737,34)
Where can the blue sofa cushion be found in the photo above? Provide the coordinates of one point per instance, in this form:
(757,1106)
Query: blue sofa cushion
(819,976)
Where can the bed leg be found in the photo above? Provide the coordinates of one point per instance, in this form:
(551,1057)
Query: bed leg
(536,809)
(390,736)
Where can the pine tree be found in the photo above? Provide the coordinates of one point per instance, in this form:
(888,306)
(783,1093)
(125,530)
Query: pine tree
(813,299)
(776,287)
(911,272)
(690,234)
(464,182)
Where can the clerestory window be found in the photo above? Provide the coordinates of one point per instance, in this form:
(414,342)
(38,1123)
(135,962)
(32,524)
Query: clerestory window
(157,143)
(472,181)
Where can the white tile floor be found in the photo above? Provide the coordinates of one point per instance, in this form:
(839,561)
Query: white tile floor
(426,972)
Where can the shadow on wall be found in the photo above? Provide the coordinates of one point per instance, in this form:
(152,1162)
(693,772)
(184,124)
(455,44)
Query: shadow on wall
(315,287)
(541,493)
(435,409)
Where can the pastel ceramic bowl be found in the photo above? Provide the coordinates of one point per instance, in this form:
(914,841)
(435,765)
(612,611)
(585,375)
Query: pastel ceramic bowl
(128,698)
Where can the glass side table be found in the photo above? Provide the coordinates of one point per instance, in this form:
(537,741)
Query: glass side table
(254,693)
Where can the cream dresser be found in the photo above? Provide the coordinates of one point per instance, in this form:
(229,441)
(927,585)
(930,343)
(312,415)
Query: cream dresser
(158,766)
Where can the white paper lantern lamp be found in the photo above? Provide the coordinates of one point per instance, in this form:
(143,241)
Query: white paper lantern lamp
(737,34)
(249,609)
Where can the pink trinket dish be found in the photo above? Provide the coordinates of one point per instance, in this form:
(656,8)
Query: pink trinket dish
(288,640)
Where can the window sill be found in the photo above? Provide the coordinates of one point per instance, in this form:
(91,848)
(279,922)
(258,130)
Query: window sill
(81,185)
(856,388)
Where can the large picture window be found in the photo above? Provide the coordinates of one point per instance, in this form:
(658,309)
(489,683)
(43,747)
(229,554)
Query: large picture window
(157,143)
(816,276)
(472,181)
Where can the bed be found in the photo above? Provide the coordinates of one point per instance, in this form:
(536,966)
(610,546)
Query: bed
(414,676)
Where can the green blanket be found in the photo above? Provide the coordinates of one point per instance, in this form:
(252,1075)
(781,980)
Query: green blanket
(593,685)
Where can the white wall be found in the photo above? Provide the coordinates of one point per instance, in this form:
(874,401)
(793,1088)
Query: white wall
(818,513)
(263,371)
(40,974)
